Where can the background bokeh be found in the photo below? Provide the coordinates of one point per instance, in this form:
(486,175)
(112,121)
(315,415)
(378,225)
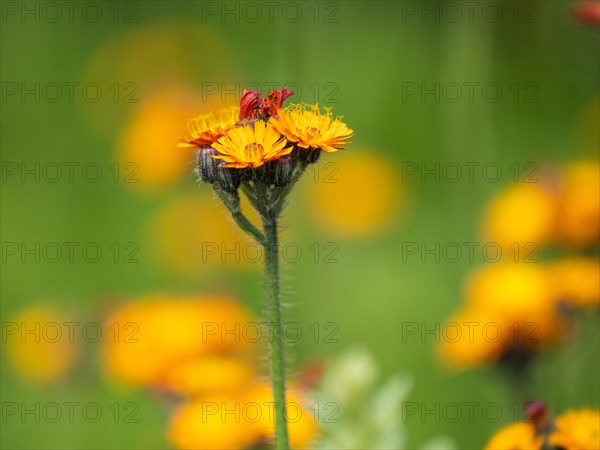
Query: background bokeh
(158,63)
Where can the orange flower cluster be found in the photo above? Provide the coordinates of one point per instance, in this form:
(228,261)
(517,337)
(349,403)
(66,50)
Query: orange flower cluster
(517,306)
(261,133)
(188,348)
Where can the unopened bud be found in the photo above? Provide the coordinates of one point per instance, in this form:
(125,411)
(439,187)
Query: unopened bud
(284,167)
(210,170)
(207,165)
(278,172)
(229,178)
(309,155)
(537,412)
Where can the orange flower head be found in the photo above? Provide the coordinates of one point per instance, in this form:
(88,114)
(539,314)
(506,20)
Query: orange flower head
(219,373)
(577,429)
(579,205)
(471,347)
(309,128)
(522,214)
(576,280)
(208,128)
(251,145)
(211,422)
(158,335)
(518,293)
(517,436)
(302,426)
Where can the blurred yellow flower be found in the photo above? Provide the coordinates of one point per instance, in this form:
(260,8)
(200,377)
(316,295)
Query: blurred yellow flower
(214,422)
(147,145)
(201,348)
(473,338)
(518,292)
(577,430)
(240,420)
(309,128)
(251,146)
(521,214)
(157,333)
(577,281)
(193,234)
(209,374)
(302,426)
(579,208)
(517,436)
(536,213)
(522,295)
(520,288)
(205,129)
(357,197)
(509,306)
(166,54)
(40,345)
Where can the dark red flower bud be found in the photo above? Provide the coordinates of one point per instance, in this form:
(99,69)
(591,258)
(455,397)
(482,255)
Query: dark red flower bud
(285,93)
(274,101)
(249,104)
(537,412)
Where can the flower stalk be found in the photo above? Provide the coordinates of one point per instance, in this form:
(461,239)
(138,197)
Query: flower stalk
(273,305)
(232,202)
(268,201)
(263,152)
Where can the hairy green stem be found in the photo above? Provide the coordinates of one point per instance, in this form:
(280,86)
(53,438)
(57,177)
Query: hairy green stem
(268,201)
(232,202)
(247,226)
(276,357)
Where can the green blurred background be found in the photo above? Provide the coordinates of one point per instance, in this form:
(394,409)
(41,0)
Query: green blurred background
(358,57)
